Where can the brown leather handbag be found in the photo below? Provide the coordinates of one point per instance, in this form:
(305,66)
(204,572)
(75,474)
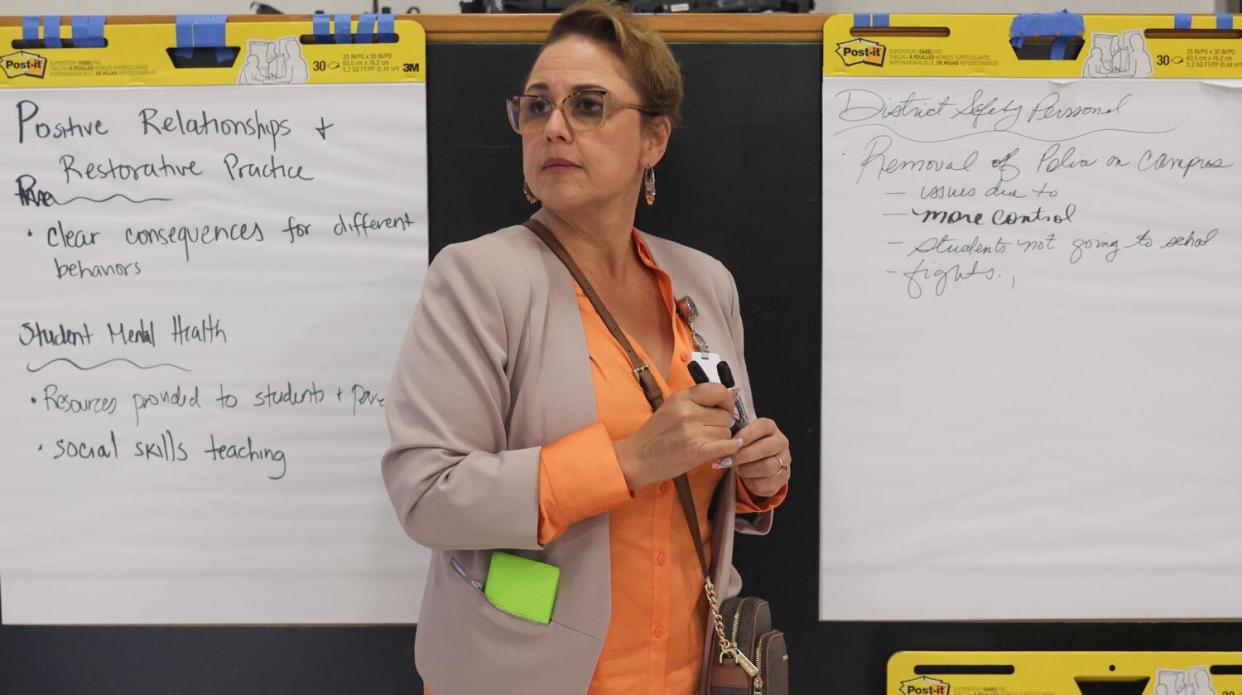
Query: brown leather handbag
(749,656)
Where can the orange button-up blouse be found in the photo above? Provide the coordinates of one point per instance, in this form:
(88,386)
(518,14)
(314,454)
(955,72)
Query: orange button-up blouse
(655,638)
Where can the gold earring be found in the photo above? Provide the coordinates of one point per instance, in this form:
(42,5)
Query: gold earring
(649,185)
(530,196)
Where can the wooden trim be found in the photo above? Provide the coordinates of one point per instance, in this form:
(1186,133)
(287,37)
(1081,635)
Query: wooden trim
(531,28)
(682,27)
(1193,33)
(14,21)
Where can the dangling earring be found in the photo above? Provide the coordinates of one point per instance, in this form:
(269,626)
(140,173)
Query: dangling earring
(530,197)
(649,185)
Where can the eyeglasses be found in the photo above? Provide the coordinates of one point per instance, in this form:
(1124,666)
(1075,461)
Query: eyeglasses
(583,110)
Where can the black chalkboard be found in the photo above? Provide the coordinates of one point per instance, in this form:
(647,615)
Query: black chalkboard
(741,181)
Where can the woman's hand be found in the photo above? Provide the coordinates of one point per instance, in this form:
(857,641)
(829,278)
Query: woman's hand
(688,429)
(763,461)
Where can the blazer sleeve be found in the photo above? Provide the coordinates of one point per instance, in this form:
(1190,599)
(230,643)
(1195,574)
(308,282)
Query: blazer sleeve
(759,524)
(451,481)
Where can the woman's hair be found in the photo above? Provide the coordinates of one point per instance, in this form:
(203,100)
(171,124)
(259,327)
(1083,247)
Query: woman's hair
(640,48)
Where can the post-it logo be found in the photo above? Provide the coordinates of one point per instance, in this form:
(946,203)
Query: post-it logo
(862,51)
(23,63)
(924,686)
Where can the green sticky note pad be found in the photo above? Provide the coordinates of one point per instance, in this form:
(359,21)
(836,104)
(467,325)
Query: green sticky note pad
(522,587)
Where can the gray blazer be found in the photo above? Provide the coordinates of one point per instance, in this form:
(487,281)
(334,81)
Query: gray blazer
(493,365)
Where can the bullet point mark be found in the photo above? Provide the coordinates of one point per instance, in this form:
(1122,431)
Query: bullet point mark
(33,399)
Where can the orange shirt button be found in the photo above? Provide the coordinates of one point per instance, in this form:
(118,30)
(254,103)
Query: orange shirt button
(664,486)
(658,632)
(685,356)
(661,558)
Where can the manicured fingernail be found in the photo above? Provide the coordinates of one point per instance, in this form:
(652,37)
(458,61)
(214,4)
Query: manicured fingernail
(724,462)
(735,389)
(739,441)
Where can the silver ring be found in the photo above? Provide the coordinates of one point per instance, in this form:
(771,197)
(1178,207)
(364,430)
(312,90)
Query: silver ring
(780,465)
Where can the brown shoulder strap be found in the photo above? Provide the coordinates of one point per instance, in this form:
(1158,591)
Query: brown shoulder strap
(687,506)
(643,371)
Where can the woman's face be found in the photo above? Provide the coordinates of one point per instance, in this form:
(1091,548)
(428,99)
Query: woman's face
(571,171)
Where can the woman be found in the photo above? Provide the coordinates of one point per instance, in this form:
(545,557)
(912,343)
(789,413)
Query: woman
(517,422)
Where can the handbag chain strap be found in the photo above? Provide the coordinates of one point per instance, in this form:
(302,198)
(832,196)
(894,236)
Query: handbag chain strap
(655,397)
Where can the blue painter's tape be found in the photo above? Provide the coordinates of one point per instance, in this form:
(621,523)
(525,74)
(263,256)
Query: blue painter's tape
(387,28)
(30,28)
(1181,21)
(879,20)
(1063,23)
(342,28)
(77,27)
(862,19)
(185,36)
(51,31)
(1059,44)
(1224,20)
(185,31)
(87,31)
(95,29)
(366,28)
(322,27)
(209,31)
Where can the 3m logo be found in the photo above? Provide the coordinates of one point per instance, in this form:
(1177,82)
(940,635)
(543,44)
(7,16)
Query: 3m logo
(924,686)
(23,63)
(862,51)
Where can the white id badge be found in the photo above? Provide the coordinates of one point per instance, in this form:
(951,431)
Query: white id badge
(710,365)
(709,362)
